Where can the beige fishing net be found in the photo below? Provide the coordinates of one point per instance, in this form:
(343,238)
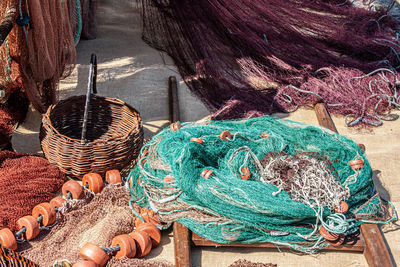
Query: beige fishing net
(96,219)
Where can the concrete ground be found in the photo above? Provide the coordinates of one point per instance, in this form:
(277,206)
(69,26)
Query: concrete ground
(134,72)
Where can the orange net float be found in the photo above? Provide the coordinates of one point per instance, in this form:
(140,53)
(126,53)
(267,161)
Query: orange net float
(7,239)
(175,126)
(149,216)
(196,140)
(225,135)
(93,181)
(28,227)
(327,235)
(127,246)
(143,243)
(57,203)
(84,264)
(113,177)
(264,135)
(152,231)
(206,173)
(343,207)
(167,180)
(245,175)
(46,212)
(339,241)
(72,189)
(94,253)
(356,164)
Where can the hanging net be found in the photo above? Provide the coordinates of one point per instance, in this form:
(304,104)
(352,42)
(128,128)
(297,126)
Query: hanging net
(257,180)
(39,51)
(253,57)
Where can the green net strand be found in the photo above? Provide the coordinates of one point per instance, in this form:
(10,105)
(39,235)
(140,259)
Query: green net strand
(298,175)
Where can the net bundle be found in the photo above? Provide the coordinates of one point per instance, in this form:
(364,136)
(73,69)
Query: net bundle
(256,180)
(40,49)
(25,181)
(249,58)
(97,219)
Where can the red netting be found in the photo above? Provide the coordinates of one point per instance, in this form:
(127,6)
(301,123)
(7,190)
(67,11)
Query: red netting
(251,57)
(25,181)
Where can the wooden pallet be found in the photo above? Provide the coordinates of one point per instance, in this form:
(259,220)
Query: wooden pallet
(370,242)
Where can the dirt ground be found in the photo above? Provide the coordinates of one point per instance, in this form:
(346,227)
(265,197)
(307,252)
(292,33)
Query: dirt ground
(134,72)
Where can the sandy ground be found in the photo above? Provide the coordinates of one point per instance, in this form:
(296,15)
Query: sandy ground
(134,72)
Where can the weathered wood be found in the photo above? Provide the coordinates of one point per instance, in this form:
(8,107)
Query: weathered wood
(174,114)
(7,24)
(376,252)
(182,244)
(324,118)
(202,242)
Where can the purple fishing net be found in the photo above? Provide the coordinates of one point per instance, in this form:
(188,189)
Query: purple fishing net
(253,57)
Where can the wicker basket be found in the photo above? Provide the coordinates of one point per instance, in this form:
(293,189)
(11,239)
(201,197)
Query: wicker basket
(109,139)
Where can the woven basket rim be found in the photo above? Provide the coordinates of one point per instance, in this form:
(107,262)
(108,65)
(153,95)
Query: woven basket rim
(46,120)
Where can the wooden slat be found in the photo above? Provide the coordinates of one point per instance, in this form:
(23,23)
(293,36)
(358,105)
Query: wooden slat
(182,244)
(324,118)
(376,252)
(174,114)
(202,242)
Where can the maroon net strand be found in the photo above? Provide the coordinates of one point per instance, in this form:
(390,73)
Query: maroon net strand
(253,57)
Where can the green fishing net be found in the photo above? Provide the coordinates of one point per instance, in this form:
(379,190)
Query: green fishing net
(256,180)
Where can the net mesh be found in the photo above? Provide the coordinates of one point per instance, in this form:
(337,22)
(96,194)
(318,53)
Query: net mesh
(248,58)
(25,181)
(299,175)
(97,219)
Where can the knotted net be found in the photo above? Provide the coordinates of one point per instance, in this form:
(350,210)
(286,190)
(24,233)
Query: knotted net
(257,180)
(252,57)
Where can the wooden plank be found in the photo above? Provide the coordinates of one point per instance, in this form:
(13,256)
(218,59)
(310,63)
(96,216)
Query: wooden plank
(324,118)
(376,252)
(182,244)
(174,114)
(202,242)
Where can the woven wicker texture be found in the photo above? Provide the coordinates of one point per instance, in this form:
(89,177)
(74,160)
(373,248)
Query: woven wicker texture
(114,135)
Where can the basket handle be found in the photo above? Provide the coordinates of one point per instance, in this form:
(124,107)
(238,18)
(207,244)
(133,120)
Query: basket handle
(91,86)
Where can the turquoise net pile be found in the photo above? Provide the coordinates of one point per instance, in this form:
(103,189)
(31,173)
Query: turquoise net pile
(257,180)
